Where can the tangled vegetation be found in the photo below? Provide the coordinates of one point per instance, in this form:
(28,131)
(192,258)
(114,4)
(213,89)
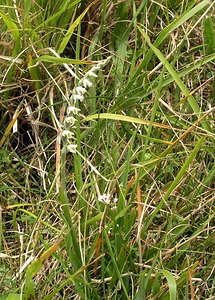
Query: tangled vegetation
(107,149)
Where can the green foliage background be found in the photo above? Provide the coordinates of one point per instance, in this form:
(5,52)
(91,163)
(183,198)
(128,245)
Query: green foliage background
(144,135)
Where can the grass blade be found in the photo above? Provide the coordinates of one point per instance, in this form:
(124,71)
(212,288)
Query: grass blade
(193,103)
(11,26)
(61,60)
(71,29)
(176,181)
(118,117)
(171,283)
(209,35)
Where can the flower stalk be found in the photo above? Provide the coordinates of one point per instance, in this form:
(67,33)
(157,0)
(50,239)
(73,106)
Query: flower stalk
(68,135)
(69,126)
(78,95)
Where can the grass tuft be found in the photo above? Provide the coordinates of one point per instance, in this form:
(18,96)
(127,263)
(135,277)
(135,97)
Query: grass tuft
(107,149)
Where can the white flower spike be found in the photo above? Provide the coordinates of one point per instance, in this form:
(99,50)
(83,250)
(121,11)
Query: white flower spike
(71,148)
(72,109)
(92,74)
(80,90)
(106,199)
(87,83)
(67,133)
(115,200)
(70,120)
(78,97)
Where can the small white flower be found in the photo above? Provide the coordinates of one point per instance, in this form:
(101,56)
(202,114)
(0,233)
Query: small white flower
(70,120)
(80,90)
(100,198)
(91,73)
(105,198)
(67,133)
(115,200)
(113,207)
(78,97)
(87,83)
(71,148)
(73,109)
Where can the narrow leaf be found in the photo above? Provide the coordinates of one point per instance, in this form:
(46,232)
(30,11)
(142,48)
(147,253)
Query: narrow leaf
(71,29)
(209,35)
(118,117)
(193,103)
(171,283)
(11,26)
(9,128)
(62,60)
(176,180)
(58,14)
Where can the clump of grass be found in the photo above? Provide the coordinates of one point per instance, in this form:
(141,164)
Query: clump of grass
(111,197)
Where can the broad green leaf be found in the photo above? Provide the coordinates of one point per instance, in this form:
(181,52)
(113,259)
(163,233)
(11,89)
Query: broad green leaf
(109,247)
(118,117)
(35,267)
(61,60)
(94,219)
(156,285)
(209,35)
(34,72)
(27,7)
(141,294)
(31,271)
(171,283)
(71,239)
(11,26)
(14,297)
(120,37)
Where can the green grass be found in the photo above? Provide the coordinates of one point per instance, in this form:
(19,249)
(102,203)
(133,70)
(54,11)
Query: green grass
(143,134)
